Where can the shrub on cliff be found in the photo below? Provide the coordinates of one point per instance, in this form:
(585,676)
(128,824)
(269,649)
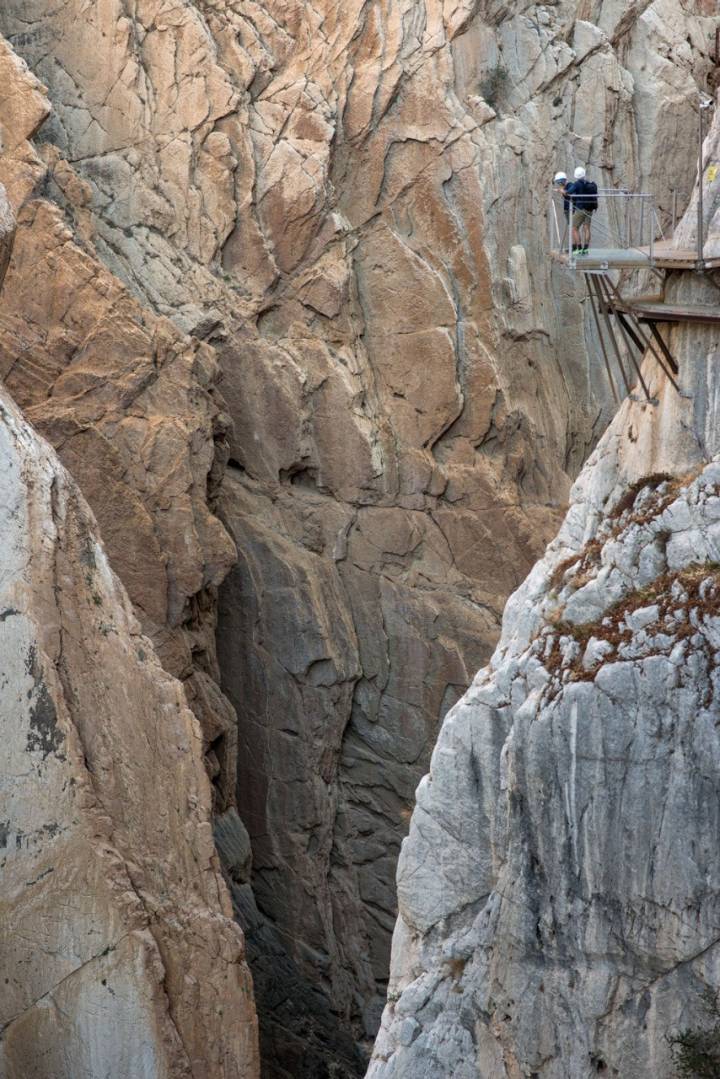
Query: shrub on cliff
(697,1052)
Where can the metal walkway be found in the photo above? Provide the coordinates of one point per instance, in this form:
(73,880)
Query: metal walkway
(628,327)
(604,258)
(662,256)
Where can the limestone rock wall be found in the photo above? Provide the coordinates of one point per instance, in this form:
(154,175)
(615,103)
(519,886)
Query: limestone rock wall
(558,889)
(119,951)
(348,204)
(687,233)
(130,405)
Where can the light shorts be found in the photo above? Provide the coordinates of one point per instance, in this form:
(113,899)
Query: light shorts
(581,217)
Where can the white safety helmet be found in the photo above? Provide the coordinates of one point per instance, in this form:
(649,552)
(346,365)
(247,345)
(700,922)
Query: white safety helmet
(579,173)
(559,177)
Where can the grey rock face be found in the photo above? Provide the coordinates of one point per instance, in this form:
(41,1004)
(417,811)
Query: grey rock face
(560,888)
(408,554)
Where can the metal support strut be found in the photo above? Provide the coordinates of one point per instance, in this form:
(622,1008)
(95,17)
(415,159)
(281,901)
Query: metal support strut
(606,300)
(629,321)
(602,307)
(601,339)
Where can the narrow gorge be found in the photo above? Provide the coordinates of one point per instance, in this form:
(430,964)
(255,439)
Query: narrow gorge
(293,400)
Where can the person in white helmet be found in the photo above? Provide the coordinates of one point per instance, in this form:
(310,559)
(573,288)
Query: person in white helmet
(560,182)
(583,195)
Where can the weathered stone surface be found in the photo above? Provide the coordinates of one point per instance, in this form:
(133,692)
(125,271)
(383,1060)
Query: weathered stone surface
(559,887)
(7,233)
(686,235)
(131,407)
(23,108)
(349,202)
(119,952)
(406,367)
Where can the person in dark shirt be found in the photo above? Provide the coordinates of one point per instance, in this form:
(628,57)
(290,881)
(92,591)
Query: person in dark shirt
(583,196)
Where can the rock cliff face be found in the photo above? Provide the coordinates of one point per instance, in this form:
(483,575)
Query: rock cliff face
(559,888)
(130,405)
(119,952)
(344,205)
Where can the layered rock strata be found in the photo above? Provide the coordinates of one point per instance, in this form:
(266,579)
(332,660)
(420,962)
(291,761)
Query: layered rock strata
(348,203)
(119,952)
(559,888)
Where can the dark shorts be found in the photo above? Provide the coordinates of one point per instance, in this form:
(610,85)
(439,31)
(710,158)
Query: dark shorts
(581,217)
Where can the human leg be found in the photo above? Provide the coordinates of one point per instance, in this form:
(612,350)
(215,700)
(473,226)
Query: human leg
(577,220)
(586,230)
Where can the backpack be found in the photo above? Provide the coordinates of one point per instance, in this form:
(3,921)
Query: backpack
(585,195)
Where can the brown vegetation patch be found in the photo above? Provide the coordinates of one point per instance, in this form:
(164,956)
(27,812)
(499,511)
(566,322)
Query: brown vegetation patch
(627,499)
(456,967)
(588,559)
(585,561)
(675,484)
(612,628)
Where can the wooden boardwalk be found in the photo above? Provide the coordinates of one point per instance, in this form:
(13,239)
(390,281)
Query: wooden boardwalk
(652,308)
(629,327)
(667,257)
(675,312)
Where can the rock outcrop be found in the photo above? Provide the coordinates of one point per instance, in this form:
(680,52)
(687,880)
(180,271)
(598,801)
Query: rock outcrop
(559,887)
(131,407)
(347,203)
(119,952)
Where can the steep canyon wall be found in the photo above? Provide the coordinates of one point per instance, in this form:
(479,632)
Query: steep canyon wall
(559,887)
(341,209)
(119,950)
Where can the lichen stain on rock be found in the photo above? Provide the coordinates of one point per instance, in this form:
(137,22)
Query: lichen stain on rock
(44,735)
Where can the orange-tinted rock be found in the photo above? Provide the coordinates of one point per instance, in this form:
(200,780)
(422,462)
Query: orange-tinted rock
(118,944)
(130,406)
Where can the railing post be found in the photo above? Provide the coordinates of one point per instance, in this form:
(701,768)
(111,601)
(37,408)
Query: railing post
(615,230)
(674,211)
(555,236)
(629,222)
(700,229)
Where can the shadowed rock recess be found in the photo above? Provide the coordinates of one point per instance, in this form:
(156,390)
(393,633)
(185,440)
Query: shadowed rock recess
(281,302)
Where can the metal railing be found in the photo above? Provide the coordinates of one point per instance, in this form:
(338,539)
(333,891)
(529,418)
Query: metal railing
(680,200)
(622,230)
